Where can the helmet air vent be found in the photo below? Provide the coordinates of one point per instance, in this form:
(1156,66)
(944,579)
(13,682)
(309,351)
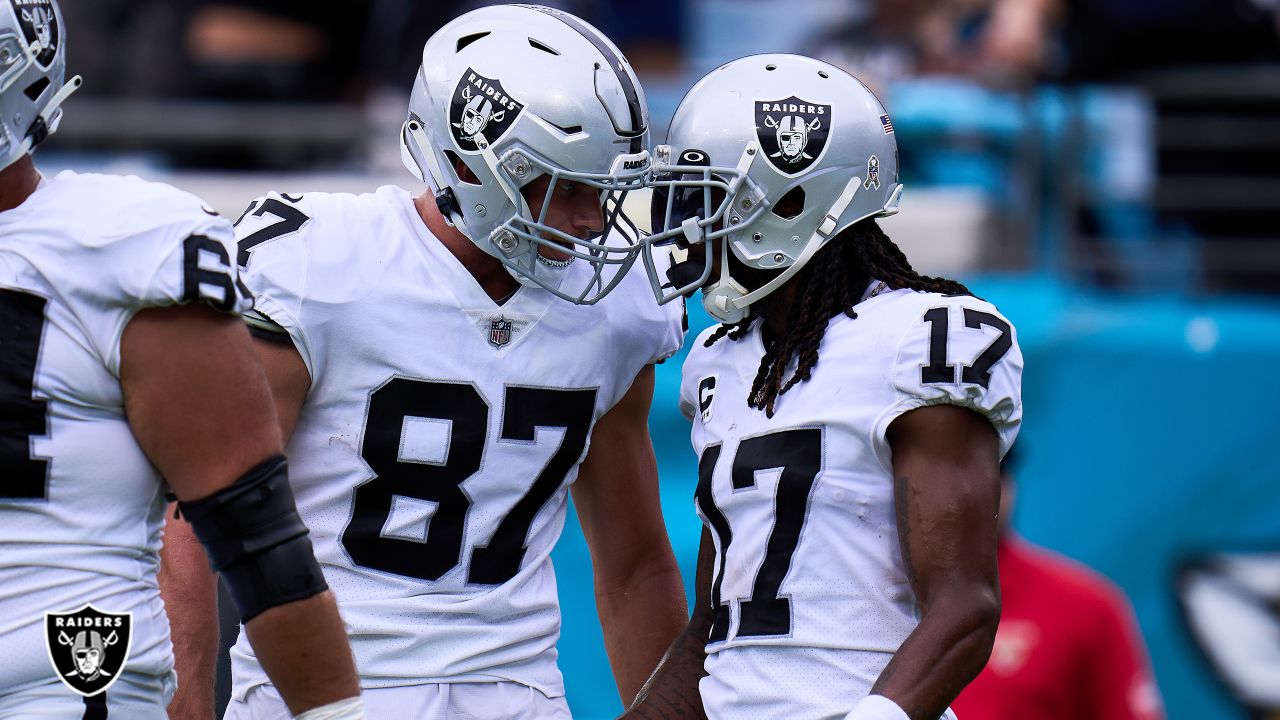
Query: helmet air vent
(466,40)
(543,47)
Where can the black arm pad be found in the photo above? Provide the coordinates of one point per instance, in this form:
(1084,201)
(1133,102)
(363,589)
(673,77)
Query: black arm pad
(255,538)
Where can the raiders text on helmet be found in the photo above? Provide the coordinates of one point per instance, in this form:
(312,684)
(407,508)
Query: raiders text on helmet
(748,135)
(792,132)
(516,92)
(480,112)
(33,60)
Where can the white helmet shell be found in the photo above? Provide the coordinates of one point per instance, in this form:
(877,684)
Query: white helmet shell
(515,92)
(747,135)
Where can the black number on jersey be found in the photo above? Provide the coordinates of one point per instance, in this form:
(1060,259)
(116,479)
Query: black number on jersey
(720,526)
(291,218)
(979,373)
(21,414)
(525,410)
(468,415)
(798,454)
(196,280)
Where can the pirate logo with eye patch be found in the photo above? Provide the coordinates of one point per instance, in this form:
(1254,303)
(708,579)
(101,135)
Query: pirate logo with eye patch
(792,132)
(88,647)
(39,26)
(481,112)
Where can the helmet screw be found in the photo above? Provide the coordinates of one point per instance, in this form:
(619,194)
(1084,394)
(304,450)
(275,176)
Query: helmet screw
(480,210)
(795,238)
(734,219)
(520,170)
(757,237)
(506,242)
(751,151)
(778,257)
(746,203)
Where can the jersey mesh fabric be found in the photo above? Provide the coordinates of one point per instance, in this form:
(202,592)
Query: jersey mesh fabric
(93,249)
(800,505)
(436,423)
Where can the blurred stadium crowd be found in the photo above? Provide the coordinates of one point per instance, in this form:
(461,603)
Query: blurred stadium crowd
(1107,171)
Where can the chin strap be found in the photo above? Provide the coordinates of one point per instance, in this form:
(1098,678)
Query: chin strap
(414,137)
(47,120)
(720,299)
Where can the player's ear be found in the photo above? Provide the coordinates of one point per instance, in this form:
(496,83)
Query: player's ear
(464,172)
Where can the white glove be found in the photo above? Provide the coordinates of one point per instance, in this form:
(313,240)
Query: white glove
(349,709)
(877,707)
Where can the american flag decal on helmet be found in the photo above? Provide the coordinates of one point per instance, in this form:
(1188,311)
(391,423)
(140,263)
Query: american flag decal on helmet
(887,123)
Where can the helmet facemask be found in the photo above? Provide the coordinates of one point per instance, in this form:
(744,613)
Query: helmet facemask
(799,151)
(697,204)
(608,252)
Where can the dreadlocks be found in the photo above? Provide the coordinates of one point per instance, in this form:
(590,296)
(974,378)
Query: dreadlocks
(832,282)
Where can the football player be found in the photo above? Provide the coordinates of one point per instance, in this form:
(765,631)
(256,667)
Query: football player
(446,367)
(123,360)
(849,415)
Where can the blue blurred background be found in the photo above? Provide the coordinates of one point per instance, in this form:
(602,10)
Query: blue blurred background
(1106,171)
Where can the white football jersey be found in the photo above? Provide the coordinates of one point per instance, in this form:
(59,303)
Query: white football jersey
(81,508)
(434,450)
(800,505)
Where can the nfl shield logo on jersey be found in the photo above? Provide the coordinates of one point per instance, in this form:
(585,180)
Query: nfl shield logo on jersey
(792,132)
(480,112)
(499,332)
(88,647)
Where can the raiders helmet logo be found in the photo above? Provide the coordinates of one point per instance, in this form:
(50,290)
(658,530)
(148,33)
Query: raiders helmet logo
(40,28)
(792,132)
(88,647)
(481,112)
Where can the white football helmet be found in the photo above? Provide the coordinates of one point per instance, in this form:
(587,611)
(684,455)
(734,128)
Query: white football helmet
(749,134)
(33,63)
(516,92)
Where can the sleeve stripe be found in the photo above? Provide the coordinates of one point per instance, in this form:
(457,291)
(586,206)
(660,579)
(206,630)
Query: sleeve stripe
(264,328)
